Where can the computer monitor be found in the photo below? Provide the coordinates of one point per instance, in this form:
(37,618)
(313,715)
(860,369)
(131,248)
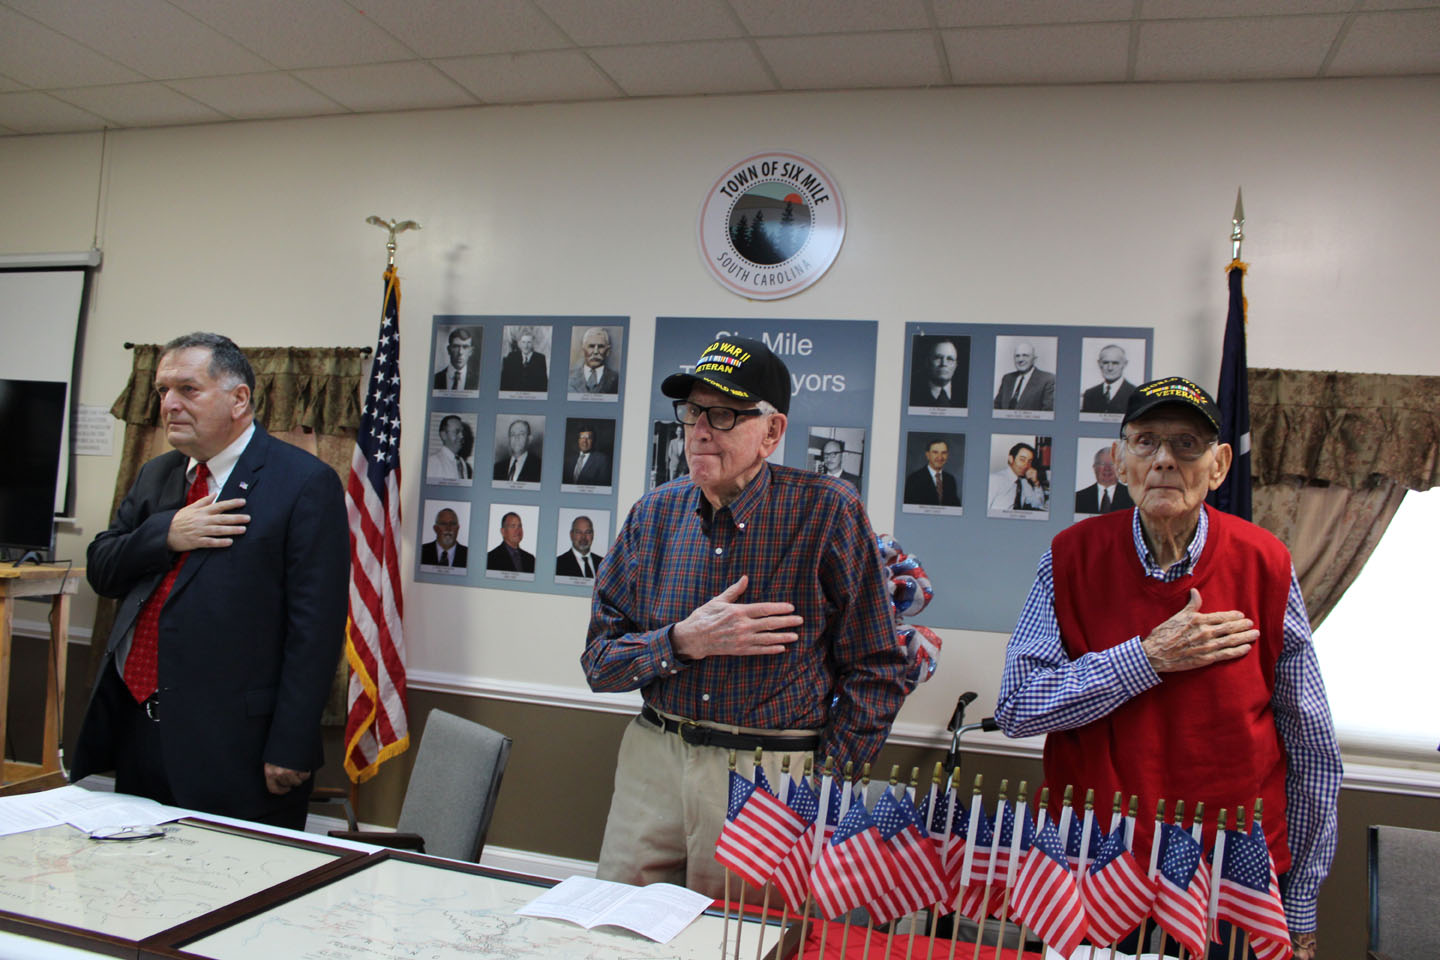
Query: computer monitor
(32,419)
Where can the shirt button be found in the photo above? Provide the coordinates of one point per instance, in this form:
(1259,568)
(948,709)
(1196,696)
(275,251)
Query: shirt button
(636,679)
(705,697)
(719,550)
(664,664)
(741,524)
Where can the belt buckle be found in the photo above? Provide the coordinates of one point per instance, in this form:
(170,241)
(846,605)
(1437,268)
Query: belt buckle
(685,728)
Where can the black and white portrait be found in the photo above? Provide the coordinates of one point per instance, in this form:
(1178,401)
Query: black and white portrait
(451,449)
(519,439)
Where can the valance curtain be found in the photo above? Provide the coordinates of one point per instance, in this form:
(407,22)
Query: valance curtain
(308,396)
(1332,456)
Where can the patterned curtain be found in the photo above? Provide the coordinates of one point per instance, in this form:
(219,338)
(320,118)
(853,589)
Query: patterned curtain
(1333,454)
(307,396)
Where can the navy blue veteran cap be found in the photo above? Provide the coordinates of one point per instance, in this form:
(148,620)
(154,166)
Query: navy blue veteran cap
(1172,390)
(743,368)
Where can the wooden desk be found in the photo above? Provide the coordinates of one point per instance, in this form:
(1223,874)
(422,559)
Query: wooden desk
(58,583)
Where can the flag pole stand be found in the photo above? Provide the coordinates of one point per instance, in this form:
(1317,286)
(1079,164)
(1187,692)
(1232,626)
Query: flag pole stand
(740,918)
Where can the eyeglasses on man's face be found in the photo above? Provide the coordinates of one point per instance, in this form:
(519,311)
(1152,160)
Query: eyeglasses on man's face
(721,418)
(1183,446)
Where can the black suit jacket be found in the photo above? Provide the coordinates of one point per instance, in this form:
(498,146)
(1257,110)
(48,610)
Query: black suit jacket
(1087,499)
(1039,392)
(595,474)
(516,374)
(529,472)
(1093,400)
(472,377)
(567,566)
(920,489)
(430,553)
(920,393)
(250,635)
(499,559)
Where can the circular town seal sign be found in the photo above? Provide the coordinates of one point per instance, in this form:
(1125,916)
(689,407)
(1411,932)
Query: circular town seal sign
(771,225)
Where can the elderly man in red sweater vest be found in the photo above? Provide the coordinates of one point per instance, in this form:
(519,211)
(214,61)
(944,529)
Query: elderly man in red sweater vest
(1165,651)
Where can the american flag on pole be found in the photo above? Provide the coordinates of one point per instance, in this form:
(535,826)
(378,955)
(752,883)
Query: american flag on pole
(759,830)
(792,876)
(1250,896)
(973,898)
(1233,398)
(919,875)
(1182,889)
(953,853)
(1003,871)
(1117,894)
(375,725)
(1077,834)
(854,868)
(1046,898)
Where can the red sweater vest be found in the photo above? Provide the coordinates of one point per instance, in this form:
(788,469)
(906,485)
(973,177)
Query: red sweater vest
(1206,734)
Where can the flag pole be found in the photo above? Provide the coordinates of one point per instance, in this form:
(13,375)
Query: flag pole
(822,820)
(1010,865)
(1179,821)
(1237,226)
(936,777)
(1239,828)
(765,904)
(740,911)
(968,860)
(725,928)
(864,789)
(990,868)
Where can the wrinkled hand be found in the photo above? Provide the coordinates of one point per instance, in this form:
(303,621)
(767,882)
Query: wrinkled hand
(1192,639)
(1304,946)
(279,780)
(724,627)
(206,524)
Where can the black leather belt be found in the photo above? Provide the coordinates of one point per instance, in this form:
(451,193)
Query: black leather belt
(698,736)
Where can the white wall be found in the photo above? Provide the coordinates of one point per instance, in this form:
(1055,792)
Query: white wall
(1060,205)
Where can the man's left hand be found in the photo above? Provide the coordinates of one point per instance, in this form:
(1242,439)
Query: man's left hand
(1304,946)
(281,780)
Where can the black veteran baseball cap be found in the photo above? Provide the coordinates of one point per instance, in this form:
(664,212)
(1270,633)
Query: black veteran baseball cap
(738,366)
(1172,390)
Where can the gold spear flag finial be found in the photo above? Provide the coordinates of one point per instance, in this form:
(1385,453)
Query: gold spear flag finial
(1237,226)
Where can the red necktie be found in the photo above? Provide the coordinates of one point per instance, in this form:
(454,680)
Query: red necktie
(940,488)
(142,666)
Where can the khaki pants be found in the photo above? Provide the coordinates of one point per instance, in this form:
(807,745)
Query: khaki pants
(669,805)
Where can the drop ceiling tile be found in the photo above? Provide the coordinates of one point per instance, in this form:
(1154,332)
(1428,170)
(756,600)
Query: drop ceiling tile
(42,113)
(766,18)
(139,105)
(443,28)
(387,86)
(855,60)
(681,69)
(1244,49)
(990,13)
(1404,41)
(152,37)
(256,96)
(530,77)
(1073,53)
(37,56)
(1199,9)
(589,22)
(315,33)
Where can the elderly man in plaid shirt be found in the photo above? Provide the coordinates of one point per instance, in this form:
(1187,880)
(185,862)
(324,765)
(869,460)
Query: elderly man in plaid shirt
(745,601)
(1166,651)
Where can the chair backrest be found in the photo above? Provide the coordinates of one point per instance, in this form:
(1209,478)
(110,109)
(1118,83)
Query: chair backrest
(453,786)
(1404,889)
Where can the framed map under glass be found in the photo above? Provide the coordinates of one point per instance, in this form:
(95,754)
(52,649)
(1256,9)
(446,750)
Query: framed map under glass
(58,884)
(402,905)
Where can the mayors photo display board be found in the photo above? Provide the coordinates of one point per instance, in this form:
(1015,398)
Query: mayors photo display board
(1005,439)
(523,418)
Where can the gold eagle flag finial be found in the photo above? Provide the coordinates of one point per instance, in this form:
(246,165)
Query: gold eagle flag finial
(395,227)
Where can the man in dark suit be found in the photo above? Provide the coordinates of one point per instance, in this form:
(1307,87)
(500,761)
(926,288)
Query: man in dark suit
(462,372)
(231,623)
(520,465)
(578,561)
(832,461)
(937,383)
(1107,493)
(587,466)
(1027,387)
(593,374)
(1112,393)
(932,485)
(507,555)
(445,550)
(524,368)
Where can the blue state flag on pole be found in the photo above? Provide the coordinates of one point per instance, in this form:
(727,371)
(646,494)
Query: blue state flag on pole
(1233,496)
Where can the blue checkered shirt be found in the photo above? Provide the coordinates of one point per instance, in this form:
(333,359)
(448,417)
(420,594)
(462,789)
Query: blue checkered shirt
(801,538)
(1044,690)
